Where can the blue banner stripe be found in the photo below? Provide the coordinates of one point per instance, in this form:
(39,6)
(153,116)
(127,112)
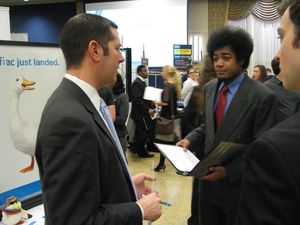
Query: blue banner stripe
(21,192)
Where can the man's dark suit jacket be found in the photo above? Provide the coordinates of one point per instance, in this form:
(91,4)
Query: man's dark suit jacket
(288,102)
(84,180)
(250,114)
(270,191)
(140,106)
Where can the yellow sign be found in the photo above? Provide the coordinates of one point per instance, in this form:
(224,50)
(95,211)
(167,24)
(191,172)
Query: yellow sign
(182,51)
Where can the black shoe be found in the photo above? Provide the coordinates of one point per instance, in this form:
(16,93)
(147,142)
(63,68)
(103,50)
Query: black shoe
(160,167)
(153,150)
(145,155)
(131,148)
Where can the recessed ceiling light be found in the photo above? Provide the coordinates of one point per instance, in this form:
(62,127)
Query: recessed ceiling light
(26,0)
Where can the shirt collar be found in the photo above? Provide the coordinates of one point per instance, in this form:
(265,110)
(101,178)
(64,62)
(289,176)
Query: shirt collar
(90,91)
(141,78)
(234,85)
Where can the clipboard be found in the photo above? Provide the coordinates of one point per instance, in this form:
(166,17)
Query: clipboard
(187,164)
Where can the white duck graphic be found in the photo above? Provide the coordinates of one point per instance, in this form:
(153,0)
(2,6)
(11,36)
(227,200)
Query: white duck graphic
(12,212)
(22,133)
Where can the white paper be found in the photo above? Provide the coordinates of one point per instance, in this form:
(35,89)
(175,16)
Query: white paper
(182,160)
(152,94)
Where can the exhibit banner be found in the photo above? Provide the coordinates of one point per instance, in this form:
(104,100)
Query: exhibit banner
(29,73)
(182,56)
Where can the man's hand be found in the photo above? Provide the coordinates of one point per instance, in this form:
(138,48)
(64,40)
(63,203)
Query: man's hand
(139,182)
(184,143)
(151,206)
(216,173)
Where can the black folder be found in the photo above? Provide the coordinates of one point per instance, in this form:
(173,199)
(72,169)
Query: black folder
(221,155)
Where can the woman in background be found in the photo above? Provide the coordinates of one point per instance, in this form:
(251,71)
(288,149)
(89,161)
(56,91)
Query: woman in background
(192,118)
(170,95)
(122,108)
(259,73)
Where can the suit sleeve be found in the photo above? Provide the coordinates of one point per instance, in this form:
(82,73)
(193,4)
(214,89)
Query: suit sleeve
(264,119)
(269,193)
(73,180)
(123,109)
(266,115)
(196,137)
(137,98)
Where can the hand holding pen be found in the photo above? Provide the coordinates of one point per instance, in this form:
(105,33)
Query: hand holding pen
(151,206)
(150,200)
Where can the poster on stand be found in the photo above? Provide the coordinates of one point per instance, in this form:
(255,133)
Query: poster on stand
(29,73)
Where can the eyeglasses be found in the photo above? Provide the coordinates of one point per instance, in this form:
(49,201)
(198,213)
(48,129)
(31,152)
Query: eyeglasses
(193,71)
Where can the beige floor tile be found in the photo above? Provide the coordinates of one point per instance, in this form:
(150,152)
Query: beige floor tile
(173,188)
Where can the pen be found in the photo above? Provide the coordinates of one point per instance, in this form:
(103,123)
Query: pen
(165,203)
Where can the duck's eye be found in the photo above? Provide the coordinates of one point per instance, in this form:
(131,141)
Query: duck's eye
(17,79)
(11,203)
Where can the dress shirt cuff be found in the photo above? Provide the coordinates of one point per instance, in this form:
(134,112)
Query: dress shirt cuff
(142,211)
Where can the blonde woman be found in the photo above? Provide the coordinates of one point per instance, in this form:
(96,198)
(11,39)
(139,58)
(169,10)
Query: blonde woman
(170,95)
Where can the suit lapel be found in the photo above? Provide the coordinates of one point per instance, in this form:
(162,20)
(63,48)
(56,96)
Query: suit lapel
(236,111)
(86,102)
(210,120)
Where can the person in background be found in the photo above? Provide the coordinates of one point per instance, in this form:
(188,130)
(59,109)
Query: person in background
(237,109)
(288,102)
(121,103)
(193,112)
(270,188)
(141,113)
(259,73)
(188,85)
(184,77)
(270,74)
(83,170)
(169,97)
(107,95)
(192,118)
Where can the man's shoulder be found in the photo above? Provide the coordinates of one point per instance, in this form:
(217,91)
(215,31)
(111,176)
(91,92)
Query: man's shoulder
(284,136)
(256,88)
(137,82)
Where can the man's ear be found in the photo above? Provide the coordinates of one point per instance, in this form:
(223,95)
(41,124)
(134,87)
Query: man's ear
(95,50)
(242,62)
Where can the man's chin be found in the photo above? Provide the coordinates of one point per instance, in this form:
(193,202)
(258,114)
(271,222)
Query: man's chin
(223,77)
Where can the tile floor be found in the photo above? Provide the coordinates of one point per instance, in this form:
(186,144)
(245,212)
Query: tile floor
(173,188)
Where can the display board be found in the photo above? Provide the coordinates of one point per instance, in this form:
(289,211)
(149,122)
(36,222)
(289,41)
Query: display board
(45,65)
(149,28)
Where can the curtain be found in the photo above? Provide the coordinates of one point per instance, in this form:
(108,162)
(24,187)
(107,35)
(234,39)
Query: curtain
(217,14)
(240,9)
(263,9)
(266,9)
(264,34)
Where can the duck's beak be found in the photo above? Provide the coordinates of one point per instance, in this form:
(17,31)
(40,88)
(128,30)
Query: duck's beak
(27,84)
(16,205)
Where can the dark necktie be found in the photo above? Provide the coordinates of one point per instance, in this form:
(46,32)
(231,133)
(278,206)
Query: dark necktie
(221,104)
(106,116)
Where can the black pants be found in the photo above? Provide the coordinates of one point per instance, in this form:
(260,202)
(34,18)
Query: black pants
(144,135)
(215,215)
(195,214)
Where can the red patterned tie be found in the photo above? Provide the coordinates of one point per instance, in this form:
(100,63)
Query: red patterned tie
(220,108)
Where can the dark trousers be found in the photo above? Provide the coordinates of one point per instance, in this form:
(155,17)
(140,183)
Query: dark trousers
(143,135)
(195,214)
(214,215)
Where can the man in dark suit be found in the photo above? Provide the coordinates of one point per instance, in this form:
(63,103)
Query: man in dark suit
(141,113)
(246,113)
(84,175)
(270,191)
(288,102)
